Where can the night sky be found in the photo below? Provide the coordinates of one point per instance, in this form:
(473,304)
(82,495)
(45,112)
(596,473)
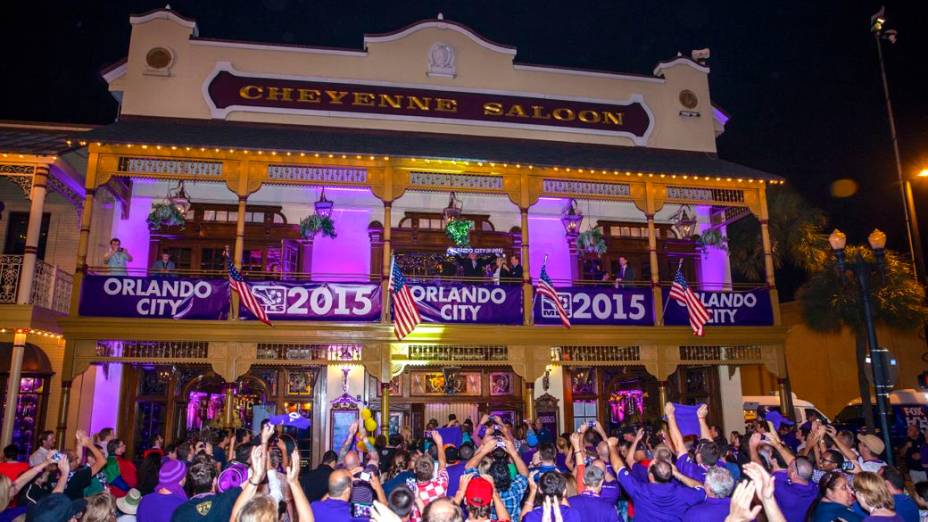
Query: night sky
(800,80)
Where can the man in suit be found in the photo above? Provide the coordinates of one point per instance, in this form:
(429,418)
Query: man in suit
(624,273)
(515,270)
(472,267)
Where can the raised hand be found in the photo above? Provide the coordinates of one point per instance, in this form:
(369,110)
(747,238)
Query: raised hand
(741,499)
(669,409)
(703,411)
(266,432)
(293,472)
(762,480)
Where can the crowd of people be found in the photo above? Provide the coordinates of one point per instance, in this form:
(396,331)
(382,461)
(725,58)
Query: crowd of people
(681,469)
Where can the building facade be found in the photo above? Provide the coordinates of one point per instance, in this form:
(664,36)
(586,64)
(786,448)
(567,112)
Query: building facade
(609,181)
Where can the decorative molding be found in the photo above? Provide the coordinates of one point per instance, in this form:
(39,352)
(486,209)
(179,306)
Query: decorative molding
(587,354)
(439,24)
(17,170)
(212,169)
(153,349)
(705,194)
(563,186)
(455,181)
(435,353)
(441,61)
(23,181)
(64,190)
(305,174)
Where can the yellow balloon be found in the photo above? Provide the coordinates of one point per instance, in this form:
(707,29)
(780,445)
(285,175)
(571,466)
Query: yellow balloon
(365,414)
(370,425)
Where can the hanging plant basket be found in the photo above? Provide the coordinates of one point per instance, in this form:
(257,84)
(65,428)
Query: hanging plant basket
(165,214)
(711,238)
(314,224)
(591,243)
(458,230)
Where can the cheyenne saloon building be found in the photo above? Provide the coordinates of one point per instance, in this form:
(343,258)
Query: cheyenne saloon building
(375,151)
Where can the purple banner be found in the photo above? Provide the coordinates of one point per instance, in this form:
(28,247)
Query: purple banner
(159,297)
(311,301)
(598,305)
(463,303)
(751,308)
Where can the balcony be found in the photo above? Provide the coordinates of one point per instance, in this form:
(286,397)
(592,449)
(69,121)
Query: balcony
(51,286)
(358,298)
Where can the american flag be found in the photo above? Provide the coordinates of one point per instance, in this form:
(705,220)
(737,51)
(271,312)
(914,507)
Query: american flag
(405,310)
(246,295)
(682,293)
(546,290)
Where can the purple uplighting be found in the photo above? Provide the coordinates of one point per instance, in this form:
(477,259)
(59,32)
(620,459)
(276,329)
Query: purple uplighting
(347,257)
(546,237)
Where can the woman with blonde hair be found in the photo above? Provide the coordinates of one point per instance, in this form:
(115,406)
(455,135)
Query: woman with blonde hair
(875,498)
(100,508)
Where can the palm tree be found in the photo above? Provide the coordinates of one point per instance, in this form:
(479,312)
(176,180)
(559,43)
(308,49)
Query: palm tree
(795,235)
(829,301)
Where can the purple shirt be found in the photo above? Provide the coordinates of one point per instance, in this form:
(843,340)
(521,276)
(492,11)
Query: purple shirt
(794,499)
(691,469)
(712,510)
(660,501)
(591,508)
(332,509)
(454,477)
(155,507)
(568,514)
(894,518)
(610,492)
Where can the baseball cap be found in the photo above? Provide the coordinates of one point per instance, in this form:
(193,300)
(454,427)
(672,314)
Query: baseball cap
(479,492)
(232,477)
(872,442)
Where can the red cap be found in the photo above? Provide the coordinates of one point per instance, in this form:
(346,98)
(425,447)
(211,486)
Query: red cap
(479,492)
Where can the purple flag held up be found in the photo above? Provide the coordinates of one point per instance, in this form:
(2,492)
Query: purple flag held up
(290,419)
(451,435)
(687,420)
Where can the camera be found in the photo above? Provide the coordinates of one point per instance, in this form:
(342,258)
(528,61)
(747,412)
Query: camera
(591,423)
(500,443)
(56,456)
(427,434)
(365,476)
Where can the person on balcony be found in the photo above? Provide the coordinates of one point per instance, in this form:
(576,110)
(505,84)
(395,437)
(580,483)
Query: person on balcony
(513,274)
(501,271)
(163,266)
(117,257)
(473,267)
(624,273)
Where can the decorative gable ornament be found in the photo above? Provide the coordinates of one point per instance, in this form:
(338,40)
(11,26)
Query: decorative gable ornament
(441,61)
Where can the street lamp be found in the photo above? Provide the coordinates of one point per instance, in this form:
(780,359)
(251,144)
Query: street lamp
(862,271)
(880,33)
(571,218)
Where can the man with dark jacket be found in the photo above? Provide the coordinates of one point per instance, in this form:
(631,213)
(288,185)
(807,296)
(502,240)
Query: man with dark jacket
(316,482)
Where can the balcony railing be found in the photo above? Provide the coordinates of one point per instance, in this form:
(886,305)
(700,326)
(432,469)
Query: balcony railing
(51,286)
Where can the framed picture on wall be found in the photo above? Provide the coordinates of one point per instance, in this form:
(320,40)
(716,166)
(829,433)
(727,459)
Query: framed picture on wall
(500,383)
(299,383)
(507,416)
(341,421)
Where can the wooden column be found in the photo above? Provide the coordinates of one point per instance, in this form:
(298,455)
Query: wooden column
(84,237)
(12,386)
(385,408)
(526,275)
(238,250)
(61,427)
(227,410)
(786,397)
(662,393)
(33,230)
(650,209)
(768,255)
(387,262)
(529,398)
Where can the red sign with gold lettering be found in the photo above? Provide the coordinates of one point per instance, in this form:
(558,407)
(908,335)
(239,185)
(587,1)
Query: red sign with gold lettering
(228,91)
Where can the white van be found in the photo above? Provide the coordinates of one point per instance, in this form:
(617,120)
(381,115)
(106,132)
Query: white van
(801,408)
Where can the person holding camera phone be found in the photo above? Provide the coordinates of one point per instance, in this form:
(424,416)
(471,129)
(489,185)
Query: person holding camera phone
(117,257)
(429,484)
(501,451)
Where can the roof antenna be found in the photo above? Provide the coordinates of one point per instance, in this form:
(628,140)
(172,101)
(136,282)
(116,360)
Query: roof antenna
(441,16)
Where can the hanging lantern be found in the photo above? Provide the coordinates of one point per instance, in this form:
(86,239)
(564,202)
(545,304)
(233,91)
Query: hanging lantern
(452,211)
(324,206)
(165,373)
(684,222)
(179,198)
(571,217)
